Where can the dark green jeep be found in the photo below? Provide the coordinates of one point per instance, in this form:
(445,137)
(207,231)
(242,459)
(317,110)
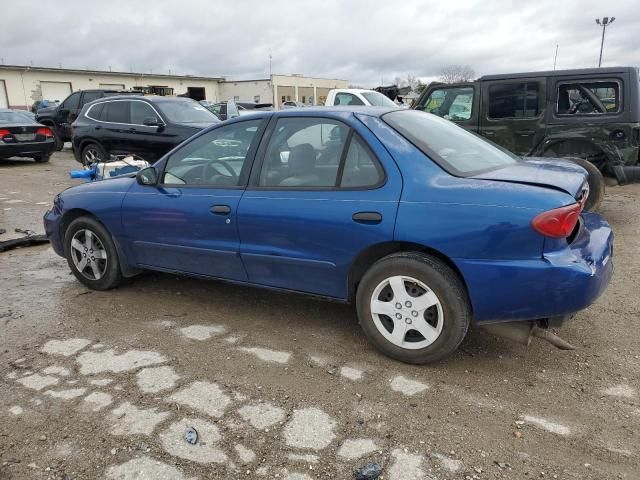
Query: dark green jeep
(591,116)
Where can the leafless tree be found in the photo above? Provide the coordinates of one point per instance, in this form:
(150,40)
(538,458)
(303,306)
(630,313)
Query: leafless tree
(456,73)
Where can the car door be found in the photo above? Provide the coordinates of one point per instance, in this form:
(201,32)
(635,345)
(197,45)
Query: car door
(188,222)
(146,139)
(513,113)
(325,191)
(115,124)
(65,111)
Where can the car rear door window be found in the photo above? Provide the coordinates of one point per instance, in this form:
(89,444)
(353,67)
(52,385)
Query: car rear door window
(72,102)
(513,100)
(141,111)
(588,98)
(116,112)
(361,169)
(344,98)
(218,158)
(304,153)
(89,97)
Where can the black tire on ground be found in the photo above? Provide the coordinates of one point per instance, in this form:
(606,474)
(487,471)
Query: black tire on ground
(112,276)
(92,152)
(42,158)
(442,280)
(596,183)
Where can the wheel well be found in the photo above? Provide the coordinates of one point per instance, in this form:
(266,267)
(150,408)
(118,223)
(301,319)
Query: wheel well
(579,148)
(70,216)
(371,255)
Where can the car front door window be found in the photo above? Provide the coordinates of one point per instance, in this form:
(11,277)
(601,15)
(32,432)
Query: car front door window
(141,111)
(450,103)
(217,158)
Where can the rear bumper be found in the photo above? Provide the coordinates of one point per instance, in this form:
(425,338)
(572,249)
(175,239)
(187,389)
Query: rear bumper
(27,149)
(559,284)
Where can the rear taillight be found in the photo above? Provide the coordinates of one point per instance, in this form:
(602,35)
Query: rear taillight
(44,131)
(4,133)
(559,222)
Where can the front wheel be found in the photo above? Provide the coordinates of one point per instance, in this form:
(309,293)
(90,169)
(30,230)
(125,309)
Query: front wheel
(91,254)
(413,307)
(93,153)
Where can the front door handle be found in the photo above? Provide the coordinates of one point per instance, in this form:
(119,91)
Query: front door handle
(220,209)
(488,133)
(370,218)
(525,133)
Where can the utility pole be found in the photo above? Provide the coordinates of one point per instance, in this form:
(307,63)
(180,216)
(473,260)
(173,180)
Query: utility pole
(604,23)
(555,59)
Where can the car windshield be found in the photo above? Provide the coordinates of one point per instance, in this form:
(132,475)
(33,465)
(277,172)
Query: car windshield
(15,117)
(186,111)
(378,100)
(459,152)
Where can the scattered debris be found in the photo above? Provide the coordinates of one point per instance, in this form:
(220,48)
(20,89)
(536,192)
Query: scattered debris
(191,436)
(370,471)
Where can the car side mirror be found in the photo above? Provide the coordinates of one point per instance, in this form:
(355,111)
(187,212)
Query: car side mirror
(147,176)
(152,122)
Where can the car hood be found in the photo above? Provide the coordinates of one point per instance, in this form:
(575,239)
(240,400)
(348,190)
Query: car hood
(119,184)
(46,110)
(553,173)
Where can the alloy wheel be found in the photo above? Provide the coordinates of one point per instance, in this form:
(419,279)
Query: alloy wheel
(88,254)
(407,312)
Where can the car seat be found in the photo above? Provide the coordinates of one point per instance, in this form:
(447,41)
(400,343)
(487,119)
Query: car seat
(301,167)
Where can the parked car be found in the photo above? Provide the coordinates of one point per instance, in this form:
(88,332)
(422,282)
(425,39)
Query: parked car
(590,115)
(421,224)
(22,136)
(39,104)
(235,108)
(59,117)
(358,96)
(292,104)
(146,126)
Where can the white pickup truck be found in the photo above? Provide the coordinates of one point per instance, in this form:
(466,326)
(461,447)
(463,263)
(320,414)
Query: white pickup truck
(357,96)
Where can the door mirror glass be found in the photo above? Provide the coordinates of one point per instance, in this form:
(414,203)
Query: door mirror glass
(147,176)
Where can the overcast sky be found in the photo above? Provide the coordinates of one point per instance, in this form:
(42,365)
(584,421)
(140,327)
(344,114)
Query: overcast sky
(365,42)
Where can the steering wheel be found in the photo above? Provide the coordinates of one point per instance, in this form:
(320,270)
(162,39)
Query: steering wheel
(208,170)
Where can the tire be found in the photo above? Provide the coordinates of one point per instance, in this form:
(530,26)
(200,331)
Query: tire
(42,158)
(104,273)
(92,152)
(445,323)
(596,184)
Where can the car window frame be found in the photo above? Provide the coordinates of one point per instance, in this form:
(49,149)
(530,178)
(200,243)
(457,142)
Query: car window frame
(564,116)
(540,94)
(254,179)
(247,167)
(63,105)
(86,113)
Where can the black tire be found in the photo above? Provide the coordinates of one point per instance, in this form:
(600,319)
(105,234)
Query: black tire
(439,278)
(42,158)
(596,184)
(112,275)
(91,152)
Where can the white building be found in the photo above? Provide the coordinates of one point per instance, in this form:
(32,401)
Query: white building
(21,86)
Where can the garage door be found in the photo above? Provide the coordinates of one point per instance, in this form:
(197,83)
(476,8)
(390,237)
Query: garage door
(3,95)
(55,90)
(112,86)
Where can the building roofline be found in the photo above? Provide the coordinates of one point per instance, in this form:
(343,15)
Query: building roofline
(104,72)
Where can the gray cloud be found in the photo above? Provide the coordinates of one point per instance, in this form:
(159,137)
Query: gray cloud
(365,42)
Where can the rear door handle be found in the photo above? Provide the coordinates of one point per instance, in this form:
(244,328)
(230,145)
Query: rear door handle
(132,130)
(488,133)
(370,218)
(220,209)
(525,133)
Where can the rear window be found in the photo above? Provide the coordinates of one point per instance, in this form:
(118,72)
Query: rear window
(456,150)
(588,98)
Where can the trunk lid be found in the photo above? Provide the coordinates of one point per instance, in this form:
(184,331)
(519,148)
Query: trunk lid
(22,133)
(553,173)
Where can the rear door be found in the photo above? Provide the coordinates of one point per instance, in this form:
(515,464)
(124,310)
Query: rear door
(513,113)
(65,114)
(189,222)
(325,191)
(457,103)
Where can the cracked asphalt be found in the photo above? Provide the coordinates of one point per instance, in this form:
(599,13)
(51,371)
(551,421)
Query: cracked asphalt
(106,384)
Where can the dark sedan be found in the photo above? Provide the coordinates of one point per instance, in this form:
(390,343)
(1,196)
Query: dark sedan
(146,126)
(22,136)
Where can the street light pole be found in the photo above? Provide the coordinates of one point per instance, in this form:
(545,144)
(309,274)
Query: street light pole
(604,23)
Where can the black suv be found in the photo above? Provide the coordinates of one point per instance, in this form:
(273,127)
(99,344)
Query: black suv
(60,117)
(147,126)
(589,115)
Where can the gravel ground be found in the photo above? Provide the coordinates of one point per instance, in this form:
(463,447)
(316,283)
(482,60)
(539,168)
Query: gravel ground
(105,384)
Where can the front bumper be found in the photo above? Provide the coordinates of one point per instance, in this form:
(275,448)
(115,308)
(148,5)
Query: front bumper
(560,284)
(52,220)
(27,149)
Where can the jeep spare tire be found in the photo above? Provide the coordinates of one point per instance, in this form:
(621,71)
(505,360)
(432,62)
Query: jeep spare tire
(596,183)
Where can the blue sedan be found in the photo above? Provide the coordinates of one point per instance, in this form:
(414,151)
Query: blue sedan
(424,226)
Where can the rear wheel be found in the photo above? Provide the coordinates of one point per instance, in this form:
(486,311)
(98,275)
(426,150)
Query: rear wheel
(91,254)
(596,184)
(93,153)
(42,158)
(413,308)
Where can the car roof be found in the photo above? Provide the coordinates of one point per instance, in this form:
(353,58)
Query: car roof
(321,111)
(558,73)
(149,98)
